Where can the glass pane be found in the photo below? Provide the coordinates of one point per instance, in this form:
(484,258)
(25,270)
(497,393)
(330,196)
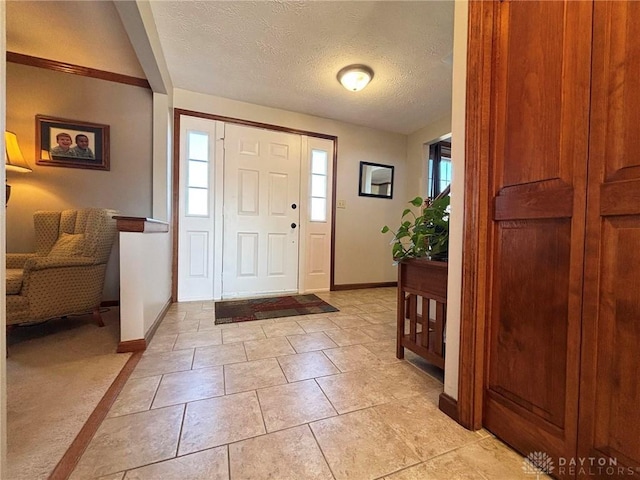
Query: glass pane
(197,201)
(319,162)
(318,210)
(198,147)
(318,186)
(198,174)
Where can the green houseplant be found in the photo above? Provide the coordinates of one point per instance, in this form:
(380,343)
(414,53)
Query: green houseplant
(422,234)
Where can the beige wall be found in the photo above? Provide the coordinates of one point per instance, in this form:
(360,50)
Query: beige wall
(363,254)
(126,187)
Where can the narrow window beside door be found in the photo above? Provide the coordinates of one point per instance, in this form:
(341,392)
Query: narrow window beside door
(197,174)
(319,173)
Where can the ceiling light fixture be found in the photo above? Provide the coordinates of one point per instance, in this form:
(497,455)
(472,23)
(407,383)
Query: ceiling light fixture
(355,77)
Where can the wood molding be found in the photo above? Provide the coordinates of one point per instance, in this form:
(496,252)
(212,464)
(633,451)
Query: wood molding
(110,303)
(156,323)
(175,203)
(138,345)
(70,459)
(449,406)
(140,224)
(358,286)
(332,272)
(476,213)
(76,70)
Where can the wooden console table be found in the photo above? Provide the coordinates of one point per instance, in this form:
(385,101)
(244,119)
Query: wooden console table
(420,278)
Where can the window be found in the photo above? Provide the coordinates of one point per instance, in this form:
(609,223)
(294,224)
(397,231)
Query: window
(197,174)
(439,168)
(319,176)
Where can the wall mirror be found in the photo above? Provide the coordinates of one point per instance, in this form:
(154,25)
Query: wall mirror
(376,180)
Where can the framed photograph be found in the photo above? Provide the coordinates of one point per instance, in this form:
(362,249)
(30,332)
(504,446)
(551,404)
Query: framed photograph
(70,143)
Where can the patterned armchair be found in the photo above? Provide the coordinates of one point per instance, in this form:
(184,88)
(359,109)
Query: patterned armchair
(66,273)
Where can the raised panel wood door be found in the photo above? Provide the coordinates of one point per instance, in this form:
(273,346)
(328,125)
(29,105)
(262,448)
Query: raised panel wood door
(540,112)
(610,389)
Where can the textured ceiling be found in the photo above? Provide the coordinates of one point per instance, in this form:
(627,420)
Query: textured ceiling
(287,55)
(278,54)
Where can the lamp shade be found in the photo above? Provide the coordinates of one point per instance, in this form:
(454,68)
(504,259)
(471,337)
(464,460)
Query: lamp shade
(355,77)
(13,159)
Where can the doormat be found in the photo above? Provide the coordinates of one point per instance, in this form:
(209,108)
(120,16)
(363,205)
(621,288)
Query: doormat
(273,307)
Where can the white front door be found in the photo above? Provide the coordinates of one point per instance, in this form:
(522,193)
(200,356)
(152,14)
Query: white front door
(261,212)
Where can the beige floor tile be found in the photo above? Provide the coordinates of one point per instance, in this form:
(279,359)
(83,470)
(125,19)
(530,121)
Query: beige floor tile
(198,339)
(268,348)
(349,321)
(186,307)
(354,390)
(282,329)
(350,309)
(403,380)
(172,328)
(354,357)
(381,317)
(306,365)
(242,334)
(385,350)
(311,325)
(286,455)
(210,324)
(310,342)
(219,355)
(161,343)
(446,467)
(375,307)
(212,464)
(130,441)
(115,476)
(182,387)
(360,445)
(293,404)
(347,336)
(218,421)
(200,315)
(135,396)
(158,363)
(240,377)
(493,459)
(383,331)
(423,427)
(173,316)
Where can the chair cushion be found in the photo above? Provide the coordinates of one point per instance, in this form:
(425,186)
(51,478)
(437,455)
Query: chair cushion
(14,280)
(68,245)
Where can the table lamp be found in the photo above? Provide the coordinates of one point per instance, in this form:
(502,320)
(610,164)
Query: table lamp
(13,159)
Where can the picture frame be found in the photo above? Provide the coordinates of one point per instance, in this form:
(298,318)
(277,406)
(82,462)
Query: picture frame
(61,142)
(375,180)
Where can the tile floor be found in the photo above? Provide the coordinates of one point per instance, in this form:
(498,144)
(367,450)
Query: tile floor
(315,397)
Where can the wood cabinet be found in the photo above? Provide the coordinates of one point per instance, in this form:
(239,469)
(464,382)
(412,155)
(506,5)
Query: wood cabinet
(422,288)
(561,297)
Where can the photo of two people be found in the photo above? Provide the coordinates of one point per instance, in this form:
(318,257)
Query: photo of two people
(62,142)
(64,146)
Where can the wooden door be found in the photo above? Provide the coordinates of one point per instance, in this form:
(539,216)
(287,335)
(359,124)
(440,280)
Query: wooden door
(540,117)
(610,389)
(261,214)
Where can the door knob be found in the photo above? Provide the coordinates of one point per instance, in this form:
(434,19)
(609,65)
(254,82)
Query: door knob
(293,225)
(294,206)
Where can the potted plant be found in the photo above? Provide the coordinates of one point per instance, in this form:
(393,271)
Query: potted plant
(423,234)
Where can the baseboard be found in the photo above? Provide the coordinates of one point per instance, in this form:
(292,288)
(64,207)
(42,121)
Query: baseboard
(358,286)
(110,303)
(157,321)
(137,345)
(140,344)
(449,406)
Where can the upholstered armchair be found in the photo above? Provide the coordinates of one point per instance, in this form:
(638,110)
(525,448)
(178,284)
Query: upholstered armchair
(66,273)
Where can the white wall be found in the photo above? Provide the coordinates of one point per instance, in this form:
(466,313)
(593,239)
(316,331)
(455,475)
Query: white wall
(363,254)
(417,154)
(145,266)
(456,225)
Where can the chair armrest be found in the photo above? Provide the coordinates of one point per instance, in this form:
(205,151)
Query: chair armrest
(42,263)
(17,260)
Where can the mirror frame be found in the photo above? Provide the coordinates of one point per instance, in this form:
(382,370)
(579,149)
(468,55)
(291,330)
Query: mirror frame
(374,195)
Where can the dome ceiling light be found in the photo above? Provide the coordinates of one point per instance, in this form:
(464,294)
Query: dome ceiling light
(355,77)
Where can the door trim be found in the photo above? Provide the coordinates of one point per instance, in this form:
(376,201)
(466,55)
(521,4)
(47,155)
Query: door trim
(177,113)
(482,17)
